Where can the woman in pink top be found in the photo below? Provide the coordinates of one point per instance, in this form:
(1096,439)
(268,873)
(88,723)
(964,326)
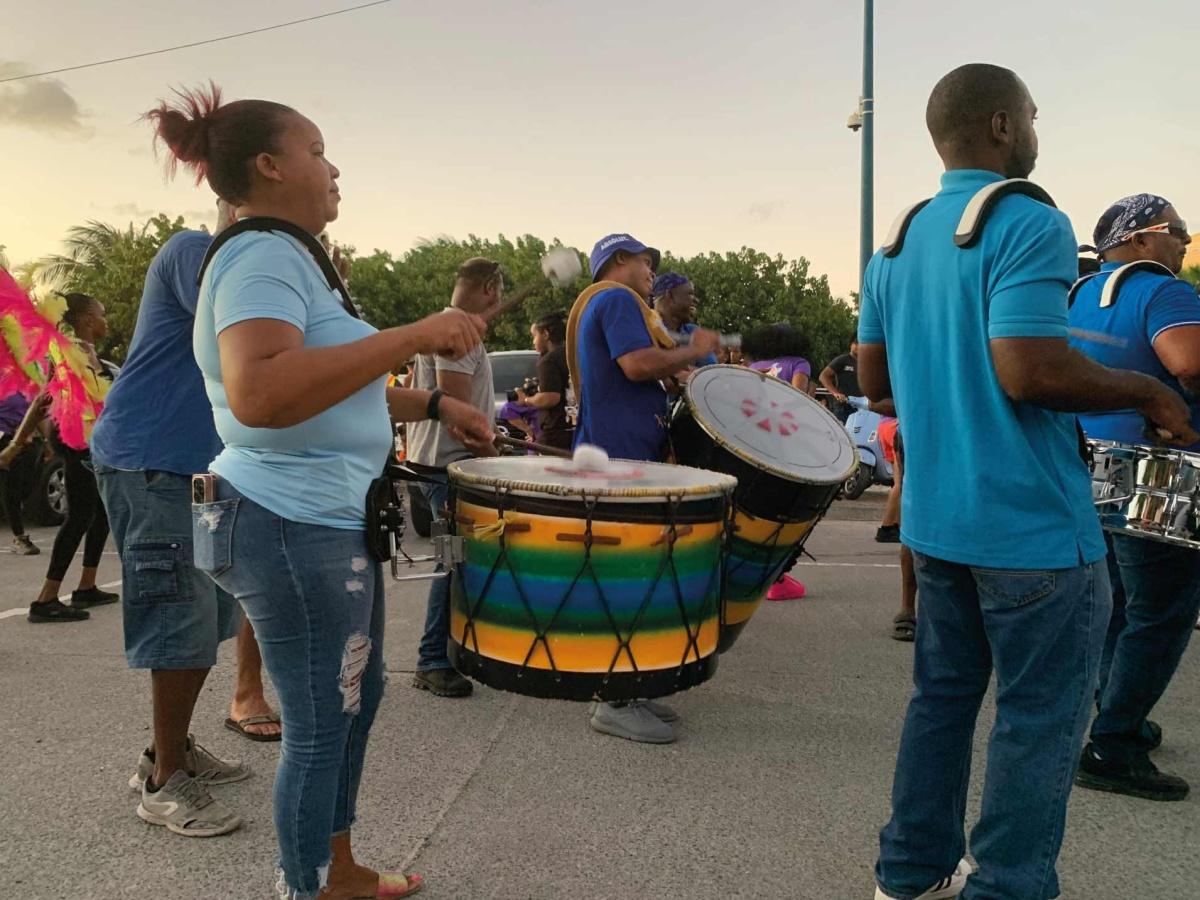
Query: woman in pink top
(779,350)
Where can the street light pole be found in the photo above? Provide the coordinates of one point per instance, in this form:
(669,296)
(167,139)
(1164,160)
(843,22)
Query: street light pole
(866,245)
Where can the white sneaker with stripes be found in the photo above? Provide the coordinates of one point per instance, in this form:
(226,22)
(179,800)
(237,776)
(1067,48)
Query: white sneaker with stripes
(948,887)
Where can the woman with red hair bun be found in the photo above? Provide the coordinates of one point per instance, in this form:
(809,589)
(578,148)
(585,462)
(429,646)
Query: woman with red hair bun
(298,387)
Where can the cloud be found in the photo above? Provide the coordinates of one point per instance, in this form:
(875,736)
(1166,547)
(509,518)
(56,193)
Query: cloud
(41,104)
(764,210)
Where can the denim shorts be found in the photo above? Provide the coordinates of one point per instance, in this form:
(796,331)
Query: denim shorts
(175,616)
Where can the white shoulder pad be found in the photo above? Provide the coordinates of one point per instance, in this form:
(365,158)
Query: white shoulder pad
(894,242)
(975,216)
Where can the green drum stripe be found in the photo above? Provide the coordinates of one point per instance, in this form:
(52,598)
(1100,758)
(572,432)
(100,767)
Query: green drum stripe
(565,560)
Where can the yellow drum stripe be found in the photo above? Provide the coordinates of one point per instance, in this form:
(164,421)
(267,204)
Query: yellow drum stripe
(759,531)
(544,530)
(652,650)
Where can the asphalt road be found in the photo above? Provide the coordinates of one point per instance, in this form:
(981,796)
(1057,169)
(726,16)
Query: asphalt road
(776,788)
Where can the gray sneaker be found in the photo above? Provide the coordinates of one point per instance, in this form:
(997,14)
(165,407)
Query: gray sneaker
(202,765)
(184,805)
(660,711)
(632,721)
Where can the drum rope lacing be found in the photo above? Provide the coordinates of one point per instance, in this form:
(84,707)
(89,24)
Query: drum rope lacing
(672,533)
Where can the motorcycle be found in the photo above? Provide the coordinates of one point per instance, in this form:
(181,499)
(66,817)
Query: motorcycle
(863,427)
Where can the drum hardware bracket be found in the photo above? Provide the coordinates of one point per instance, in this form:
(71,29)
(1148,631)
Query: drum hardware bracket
(448,550)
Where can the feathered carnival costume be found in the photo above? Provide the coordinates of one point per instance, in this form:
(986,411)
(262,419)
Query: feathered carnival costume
(36,355)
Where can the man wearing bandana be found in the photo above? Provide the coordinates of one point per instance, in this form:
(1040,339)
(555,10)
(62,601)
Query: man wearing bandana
(674,299)
(1152,326)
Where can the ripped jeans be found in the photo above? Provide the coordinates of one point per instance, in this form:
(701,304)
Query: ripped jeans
(315,597)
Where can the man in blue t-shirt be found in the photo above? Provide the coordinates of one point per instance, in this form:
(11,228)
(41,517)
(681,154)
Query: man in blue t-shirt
(156,431)
(1150,324)
(997,503)
(619,366)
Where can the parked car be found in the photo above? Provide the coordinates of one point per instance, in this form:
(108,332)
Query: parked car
(510,368)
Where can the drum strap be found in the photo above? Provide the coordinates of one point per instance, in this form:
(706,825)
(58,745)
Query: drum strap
(974,216)
(311,244)
(654,325)
(1116,278)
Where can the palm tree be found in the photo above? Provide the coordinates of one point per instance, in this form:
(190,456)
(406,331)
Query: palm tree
(89,247)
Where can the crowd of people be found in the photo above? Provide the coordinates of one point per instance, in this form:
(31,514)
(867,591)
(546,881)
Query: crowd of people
(256,409)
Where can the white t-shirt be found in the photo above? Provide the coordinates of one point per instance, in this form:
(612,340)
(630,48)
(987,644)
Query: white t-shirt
(429,443)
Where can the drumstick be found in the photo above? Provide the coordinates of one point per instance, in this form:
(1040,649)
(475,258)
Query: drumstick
(530,445)
(519,297)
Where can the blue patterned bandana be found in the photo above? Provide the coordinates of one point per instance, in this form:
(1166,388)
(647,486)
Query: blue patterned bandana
(667,282)
(1125,217)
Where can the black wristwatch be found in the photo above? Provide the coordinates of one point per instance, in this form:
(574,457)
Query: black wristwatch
(431,410)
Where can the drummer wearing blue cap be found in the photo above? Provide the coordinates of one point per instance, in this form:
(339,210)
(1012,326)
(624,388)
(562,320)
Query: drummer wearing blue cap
(618,352)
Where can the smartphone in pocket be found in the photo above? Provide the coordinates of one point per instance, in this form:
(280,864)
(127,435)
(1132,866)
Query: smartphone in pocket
(204,488)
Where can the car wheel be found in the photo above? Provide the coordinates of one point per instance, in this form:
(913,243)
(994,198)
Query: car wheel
(48,502)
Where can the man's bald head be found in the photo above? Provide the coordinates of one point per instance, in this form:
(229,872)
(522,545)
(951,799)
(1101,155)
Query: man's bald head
(981,116)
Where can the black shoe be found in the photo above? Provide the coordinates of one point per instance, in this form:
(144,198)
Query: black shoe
(1137,778)
(887,534)
(1152,734)
(92,597)
(56,611)
(443,683)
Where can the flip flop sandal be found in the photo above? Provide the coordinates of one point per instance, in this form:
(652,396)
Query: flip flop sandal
(239,725)
(393,885)
(904,628)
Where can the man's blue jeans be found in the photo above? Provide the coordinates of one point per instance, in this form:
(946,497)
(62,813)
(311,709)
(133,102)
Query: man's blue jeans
(315,597)
(432,653)
(1152,621)
(1042,633)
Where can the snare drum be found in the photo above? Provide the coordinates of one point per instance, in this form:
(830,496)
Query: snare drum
(790,456)
(580,586)
(1150,492)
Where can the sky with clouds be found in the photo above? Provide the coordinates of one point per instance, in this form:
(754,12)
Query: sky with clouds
(695,125)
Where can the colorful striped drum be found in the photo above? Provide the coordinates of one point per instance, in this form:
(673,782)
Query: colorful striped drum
(790,457)
(583,586)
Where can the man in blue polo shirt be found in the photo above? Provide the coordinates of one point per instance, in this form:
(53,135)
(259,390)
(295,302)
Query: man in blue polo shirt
(997,505)
(1151,325)
(618,350)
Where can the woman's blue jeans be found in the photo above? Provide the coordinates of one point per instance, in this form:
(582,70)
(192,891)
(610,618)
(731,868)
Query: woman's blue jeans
(315,597)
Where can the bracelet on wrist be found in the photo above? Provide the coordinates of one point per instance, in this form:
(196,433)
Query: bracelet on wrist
(431,410)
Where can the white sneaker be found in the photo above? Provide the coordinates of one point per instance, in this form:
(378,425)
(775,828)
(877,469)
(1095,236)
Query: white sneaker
(184,805)
(631,721)
(950,886)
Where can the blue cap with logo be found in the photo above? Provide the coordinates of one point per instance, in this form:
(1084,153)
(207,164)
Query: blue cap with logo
(608,245)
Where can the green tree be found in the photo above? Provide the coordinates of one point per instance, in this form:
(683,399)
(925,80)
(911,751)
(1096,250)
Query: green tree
(1192,276)
(736,291)
(110,264)
(398,291)
(739,291)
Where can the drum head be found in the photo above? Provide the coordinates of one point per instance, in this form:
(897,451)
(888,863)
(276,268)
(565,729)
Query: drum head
(770,424)
(624,479)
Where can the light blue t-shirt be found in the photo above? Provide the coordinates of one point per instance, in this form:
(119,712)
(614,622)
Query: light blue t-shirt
(157,417)
(316,472)
(1122,336)
(987,482)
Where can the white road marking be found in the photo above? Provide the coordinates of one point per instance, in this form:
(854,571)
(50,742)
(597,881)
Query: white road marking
(23,610)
